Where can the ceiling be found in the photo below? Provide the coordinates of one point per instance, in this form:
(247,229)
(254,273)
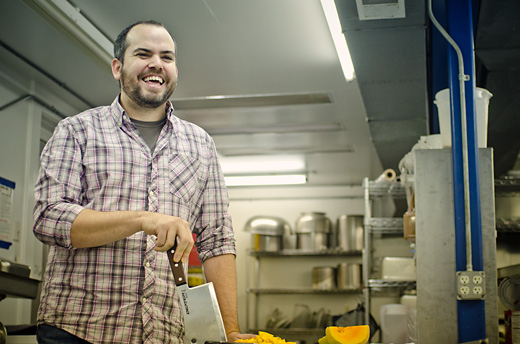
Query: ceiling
(262,77)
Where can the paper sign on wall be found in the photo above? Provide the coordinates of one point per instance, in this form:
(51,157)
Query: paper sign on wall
(6,206)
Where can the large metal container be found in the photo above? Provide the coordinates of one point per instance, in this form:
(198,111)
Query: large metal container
(350,232)
(313,230)
(349,276)
(324,277)
(267,232)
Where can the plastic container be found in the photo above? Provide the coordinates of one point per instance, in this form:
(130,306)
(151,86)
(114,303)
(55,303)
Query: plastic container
(398,269)
(394,323)
(409,299)
(442,100)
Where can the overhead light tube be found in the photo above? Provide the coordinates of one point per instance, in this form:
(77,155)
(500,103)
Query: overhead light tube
(289,179)
(331,14)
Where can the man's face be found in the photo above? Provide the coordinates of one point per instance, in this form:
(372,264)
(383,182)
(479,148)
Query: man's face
(148,75)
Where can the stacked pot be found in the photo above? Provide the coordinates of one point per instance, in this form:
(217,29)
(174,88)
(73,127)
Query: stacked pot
(267,233)
(313,231)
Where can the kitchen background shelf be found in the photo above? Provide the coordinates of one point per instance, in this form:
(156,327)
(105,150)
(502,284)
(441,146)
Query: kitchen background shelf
(381,283)
(507,186)
(379,230)
(385,189)
(274,291)
(386,225)
(283,332)
(304,253)
(264,282)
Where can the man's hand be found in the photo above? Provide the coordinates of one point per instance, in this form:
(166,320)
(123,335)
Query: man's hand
(93,228)
(167,229)
(235,335)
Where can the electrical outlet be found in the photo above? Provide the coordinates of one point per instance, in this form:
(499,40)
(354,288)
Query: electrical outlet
(477,290)
(470,285)
(464,279)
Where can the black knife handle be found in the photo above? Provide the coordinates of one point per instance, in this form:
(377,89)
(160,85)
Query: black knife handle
(177,267)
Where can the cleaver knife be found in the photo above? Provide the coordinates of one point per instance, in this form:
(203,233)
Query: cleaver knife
(202,319)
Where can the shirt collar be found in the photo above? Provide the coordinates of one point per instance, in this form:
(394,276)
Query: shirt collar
(120,116)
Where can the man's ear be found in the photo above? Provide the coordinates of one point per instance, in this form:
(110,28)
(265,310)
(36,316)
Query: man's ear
(116,69)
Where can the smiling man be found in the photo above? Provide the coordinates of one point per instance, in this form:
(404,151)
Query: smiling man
(118,185)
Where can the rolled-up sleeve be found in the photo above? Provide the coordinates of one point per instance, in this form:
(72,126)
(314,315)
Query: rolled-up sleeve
(58,188)
(216,235)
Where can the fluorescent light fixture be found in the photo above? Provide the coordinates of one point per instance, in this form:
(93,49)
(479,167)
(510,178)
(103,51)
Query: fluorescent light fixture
(276,128)
(331,14)
(262,164)
(287,179)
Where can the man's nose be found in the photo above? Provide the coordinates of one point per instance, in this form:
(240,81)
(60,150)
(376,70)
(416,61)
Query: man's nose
(155,62)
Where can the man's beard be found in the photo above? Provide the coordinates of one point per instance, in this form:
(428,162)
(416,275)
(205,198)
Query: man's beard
(134,92)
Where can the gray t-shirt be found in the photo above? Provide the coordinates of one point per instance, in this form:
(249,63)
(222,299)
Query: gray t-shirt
(149,131)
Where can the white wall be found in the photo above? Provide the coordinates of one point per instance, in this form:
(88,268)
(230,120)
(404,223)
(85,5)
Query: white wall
(20,133)
(19,142)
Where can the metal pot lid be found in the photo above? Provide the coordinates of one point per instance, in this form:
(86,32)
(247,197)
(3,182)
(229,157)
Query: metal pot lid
(267,225)
(313,222)
(509,292)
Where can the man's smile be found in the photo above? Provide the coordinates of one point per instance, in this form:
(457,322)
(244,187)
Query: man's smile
(153,79)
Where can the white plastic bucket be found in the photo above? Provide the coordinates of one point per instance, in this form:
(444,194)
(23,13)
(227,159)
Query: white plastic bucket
(394,323)
(442,100)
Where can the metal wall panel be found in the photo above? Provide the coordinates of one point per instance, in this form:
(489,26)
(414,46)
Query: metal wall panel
(435,246)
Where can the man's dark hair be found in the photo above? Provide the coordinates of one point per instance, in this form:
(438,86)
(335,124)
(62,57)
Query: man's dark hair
(120,44)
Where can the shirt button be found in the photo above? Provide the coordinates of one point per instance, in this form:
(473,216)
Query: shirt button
(147,264)
(150,193)
(143,300)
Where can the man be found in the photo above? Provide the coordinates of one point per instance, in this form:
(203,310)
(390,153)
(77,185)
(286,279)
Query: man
(117,186)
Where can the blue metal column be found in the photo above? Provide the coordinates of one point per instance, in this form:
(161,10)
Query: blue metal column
(471,313)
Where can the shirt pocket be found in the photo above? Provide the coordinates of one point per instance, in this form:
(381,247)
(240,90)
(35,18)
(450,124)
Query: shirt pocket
(186,177)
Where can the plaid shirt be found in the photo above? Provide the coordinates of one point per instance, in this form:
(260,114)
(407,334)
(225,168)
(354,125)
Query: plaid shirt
(124,292)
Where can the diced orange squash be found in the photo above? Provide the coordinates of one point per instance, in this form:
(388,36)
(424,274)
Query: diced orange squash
(264,338)
(347,335)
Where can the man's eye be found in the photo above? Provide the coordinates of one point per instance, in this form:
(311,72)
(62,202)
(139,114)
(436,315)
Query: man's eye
(141,54)
(168,58)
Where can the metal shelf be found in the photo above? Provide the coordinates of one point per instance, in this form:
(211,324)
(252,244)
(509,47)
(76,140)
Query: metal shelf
(508,225)
(373,192)
(255,292)
(386,189)
(290,331)
(383,284)
(18,286)
(507,186)
(508,271)
(386,225)
(305,253)
(275,291)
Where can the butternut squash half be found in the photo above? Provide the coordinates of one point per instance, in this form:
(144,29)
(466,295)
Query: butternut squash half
(346,335)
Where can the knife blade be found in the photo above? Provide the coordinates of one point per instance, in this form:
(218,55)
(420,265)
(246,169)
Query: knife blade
(202,318)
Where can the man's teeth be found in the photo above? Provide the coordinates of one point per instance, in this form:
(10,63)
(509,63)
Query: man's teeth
(154,78)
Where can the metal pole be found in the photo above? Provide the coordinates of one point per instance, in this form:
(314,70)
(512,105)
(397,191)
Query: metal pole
(471,313)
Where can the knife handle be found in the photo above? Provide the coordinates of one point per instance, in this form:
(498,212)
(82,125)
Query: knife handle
(177,267)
